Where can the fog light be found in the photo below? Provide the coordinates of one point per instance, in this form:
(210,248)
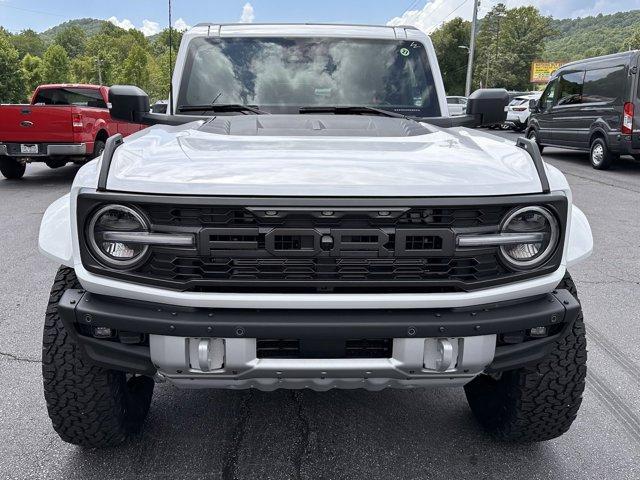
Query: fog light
(206,354)
(538,332)
(102,332)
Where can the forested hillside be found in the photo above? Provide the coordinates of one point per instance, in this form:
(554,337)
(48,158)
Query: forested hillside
(90,27)
(593,36)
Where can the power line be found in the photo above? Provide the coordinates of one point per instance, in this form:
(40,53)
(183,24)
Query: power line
(32,11)
(442,22)
(411,6)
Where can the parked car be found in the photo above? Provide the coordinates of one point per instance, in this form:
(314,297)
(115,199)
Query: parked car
(63,123)
(160,106)
(518,112)
(590,106)
(457,105)
(277,239)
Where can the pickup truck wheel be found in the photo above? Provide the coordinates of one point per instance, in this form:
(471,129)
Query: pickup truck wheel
(11,168)
(98,148)
(56,163)
(600,156)
(538,402)
(533,135)
(88,405)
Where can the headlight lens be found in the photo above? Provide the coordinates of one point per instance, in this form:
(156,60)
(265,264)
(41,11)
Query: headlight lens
(117,218)
(530,220)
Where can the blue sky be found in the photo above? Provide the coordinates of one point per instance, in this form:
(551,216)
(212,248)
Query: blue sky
(150,15)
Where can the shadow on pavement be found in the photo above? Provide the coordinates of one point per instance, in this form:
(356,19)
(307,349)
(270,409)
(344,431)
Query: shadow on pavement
(305,434)
(38,174)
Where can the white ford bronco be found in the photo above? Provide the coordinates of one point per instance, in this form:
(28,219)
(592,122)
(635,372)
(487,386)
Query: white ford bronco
(308,215)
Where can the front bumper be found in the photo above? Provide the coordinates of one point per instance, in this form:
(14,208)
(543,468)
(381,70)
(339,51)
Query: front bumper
(45,150)
(475,333)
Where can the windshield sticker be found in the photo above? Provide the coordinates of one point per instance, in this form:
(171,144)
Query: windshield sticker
(322,92)
(405,52)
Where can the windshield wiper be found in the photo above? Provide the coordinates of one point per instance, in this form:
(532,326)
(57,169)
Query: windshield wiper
(221,107)
(354,110)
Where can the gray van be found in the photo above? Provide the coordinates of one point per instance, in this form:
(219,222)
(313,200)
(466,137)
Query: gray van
(589,106)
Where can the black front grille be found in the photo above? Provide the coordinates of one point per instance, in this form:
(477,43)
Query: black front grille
(177,268)
(229,217)
(324,348)
(339,247)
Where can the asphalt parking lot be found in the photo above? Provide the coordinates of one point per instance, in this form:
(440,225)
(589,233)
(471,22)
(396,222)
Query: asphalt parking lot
(337,434)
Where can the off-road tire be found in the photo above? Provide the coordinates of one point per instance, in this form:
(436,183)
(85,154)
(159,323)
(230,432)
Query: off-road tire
(11,168)
(600,156)
(532,134)
(88,405)
(538,402)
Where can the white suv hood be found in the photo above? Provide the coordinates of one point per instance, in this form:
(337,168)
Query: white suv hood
(445,162)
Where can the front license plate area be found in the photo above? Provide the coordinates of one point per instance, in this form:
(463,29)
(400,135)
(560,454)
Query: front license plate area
(28,148)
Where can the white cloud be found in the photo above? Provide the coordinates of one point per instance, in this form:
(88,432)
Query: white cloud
(125,23)
(435,12)
(150,28)
(181,24)
(248,15)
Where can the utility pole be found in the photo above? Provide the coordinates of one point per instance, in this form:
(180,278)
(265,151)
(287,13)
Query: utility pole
(472,47)
(99,65)
(170,63)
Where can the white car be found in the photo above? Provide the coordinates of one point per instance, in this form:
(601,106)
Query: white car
(518,112)
(457,105)
(309,215)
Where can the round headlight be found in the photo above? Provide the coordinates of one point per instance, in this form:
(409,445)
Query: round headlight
(103,230)
(530,220)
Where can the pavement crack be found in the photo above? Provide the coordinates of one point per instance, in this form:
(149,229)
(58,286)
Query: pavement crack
(232,447)
(305,431)
(16,358)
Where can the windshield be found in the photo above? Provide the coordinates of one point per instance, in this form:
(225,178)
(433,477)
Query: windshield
(281,75)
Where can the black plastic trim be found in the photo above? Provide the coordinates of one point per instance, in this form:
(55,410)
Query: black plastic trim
(532,149)
(78,307)
(110,146)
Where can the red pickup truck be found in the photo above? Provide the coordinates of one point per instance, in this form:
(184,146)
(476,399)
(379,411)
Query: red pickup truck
(63,123)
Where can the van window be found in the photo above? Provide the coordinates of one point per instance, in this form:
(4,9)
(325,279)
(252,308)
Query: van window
(547,98)
(570,88)
(605,85)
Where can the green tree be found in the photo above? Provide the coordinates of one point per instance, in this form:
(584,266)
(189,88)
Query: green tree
(135,69)
(161,42)
(11,80)
(28,42)
(72,39)
(508,42)
(84,69)
(32,71)
(56,67)
(452,59)
(160,77)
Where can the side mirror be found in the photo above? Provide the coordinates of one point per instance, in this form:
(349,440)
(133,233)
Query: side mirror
(488,106)
(534,106)
(128,103)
